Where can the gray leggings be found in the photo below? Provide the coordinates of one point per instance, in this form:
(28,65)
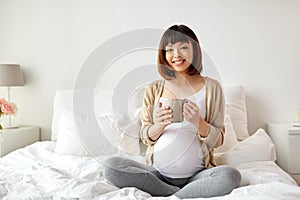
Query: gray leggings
(216,181)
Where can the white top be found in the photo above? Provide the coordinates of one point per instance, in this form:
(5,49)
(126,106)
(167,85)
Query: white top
(177,152)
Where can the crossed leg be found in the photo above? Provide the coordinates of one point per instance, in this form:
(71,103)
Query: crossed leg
(217,181)
(123,172)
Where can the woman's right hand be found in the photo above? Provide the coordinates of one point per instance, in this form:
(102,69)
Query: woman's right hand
(163,115)
(162,118)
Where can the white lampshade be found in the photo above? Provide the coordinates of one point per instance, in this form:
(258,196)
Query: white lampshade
(11,75)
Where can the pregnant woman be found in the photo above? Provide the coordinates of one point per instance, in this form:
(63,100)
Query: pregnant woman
(179,155)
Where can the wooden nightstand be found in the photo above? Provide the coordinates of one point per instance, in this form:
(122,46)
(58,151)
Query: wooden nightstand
(287,142)
(12,139)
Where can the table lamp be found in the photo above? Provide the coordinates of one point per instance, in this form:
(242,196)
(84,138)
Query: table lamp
(10,75)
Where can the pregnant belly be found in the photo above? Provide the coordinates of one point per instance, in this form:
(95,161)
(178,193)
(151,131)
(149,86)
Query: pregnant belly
(177,154)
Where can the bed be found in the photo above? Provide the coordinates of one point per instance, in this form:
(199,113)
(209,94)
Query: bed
(70,166)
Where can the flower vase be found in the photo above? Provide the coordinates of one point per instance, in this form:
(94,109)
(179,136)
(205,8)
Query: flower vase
(9,122)
(7,112)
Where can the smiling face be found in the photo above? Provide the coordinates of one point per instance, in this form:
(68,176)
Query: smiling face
(179,51)
(179,56)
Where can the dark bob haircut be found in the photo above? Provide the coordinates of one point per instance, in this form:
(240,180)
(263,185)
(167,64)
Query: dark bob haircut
(174,34)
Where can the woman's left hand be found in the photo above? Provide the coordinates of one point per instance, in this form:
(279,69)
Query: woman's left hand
(191,112)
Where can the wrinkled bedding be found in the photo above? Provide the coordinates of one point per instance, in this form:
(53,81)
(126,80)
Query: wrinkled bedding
(37,172)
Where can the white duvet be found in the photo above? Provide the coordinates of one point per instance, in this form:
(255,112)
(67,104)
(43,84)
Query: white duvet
(36,172)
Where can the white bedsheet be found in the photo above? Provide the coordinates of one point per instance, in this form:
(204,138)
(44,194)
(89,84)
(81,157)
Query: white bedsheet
(36,172)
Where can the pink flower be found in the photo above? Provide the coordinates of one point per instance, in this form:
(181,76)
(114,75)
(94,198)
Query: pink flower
(7,109)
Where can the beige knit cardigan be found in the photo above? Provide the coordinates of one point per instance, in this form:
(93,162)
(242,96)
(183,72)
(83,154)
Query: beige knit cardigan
(214,117)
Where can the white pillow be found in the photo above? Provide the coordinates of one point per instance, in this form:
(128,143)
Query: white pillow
(259,172)
(235,101)
(80,135)
(63,101)
(230,139)
(257,147)
(110,131)
(130,124)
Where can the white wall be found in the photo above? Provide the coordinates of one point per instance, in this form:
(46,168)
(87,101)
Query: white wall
(254,43)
